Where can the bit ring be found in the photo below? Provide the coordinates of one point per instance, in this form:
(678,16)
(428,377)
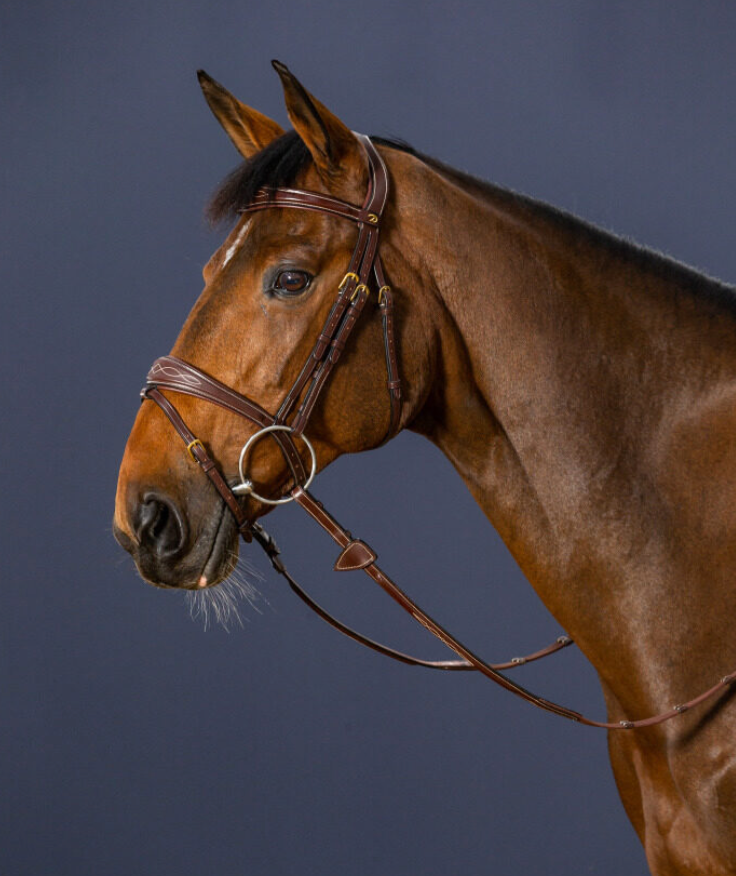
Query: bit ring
(245,487)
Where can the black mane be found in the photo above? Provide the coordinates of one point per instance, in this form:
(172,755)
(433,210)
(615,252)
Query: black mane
(276,166)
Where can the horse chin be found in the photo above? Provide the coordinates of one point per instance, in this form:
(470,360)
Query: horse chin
(223,554)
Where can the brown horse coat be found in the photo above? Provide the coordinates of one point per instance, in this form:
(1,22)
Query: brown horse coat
(584,389)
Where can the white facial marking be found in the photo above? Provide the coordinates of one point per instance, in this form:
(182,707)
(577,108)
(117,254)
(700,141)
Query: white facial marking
(232,249)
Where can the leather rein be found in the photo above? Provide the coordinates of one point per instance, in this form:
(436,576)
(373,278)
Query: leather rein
(175,375)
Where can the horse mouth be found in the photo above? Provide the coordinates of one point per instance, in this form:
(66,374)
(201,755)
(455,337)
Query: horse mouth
(223,555)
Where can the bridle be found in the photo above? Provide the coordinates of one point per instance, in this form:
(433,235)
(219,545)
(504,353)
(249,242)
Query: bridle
(175,375)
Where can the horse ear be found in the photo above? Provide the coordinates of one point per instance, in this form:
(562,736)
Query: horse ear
(249,130)
(332,144)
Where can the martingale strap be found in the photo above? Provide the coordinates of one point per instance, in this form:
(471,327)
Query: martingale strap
(175,375)
(356,554)
(272,551)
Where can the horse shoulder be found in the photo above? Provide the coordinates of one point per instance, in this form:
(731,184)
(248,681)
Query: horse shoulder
(693,462)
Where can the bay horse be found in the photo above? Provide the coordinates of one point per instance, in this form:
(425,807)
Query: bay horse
(583,388)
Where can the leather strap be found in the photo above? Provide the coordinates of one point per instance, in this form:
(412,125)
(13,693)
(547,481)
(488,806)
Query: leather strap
(365,556)
(203,459)
(353,292)
(269,546)
(173,374)
(393,381)
(317,512)
(297,198)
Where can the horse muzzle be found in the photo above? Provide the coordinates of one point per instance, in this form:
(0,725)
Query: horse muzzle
(169,550)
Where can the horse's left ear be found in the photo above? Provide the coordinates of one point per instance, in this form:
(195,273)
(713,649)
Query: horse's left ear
(333,146)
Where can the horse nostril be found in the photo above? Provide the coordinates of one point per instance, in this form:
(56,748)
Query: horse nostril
(160,527)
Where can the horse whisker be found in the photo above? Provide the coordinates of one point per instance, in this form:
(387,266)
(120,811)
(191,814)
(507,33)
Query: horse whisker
(220,603)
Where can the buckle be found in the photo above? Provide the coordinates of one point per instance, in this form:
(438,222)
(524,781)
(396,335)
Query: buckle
(346,279)
(192,445)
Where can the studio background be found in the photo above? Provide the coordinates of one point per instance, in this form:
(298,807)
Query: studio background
(131,739)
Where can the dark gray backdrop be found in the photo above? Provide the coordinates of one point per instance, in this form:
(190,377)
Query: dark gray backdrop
(132,740)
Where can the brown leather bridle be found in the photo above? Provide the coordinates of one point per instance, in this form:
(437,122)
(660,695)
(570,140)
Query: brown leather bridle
(170,373)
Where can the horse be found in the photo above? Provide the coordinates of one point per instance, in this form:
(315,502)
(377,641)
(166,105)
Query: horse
(584,389)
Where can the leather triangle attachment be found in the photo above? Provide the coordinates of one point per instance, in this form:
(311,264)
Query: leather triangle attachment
(356,555)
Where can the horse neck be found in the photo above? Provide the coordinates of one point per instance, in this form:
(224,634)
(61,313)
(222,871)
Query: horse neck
(573,370)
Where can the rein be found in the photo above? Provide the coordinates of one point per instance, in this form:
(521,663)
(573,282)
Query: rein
(175,375)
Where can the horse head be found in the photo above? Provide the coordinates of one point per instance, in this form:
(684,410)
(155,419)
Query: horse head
(269,290)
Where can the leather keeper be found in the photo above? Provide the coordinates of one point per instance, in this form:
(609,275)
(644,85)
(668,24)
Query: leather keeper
(357,555)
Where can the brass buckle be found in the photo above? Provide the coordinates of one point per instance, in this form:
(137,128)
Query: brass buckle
(361,287)
(383,292)
(346,279)
(192,445)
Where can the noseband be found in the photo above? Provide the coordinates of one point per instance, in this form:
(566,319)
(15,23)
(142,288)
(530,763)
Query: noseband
(175,375)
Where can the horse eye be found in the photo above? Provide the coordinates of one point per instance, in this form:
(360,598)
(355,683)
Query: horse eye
(292,281)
